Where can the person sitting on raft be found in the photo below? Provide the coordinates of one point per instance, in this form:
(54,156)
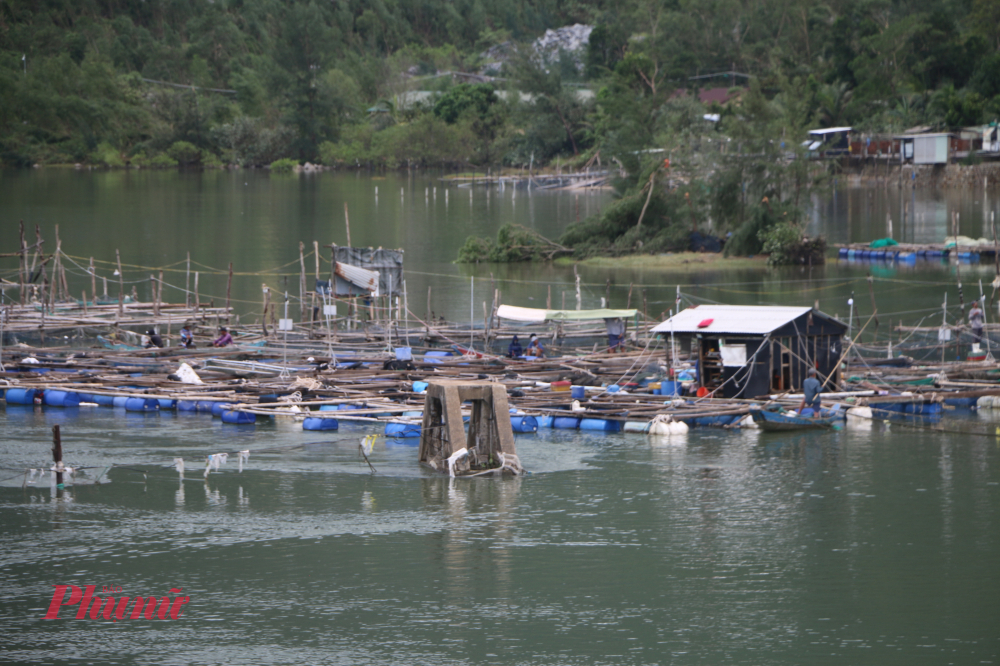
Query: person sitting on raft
(154,339)
(187,337)
(811,388)
(224,338)
(515,349)
(535,348)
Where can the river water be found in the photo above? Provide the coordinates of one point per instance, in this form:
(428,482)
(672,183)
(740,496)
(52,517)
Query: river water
(727,547)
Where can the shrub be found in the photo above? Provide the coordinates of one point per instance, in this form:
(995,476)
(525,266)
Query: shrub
(107,155)
(186,154)
(285,165)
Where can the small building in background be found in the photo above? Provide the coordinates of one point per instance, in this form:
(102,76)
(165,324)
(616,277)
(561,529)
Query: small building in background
(829,141)
(746,351)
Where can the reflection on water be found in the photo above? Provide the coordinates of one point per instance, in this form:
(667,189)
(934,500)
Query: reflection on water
(838,547)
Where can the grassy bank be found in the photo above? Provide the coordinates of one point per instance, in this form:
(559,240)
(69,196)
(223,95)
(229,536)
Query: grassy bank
(678,261)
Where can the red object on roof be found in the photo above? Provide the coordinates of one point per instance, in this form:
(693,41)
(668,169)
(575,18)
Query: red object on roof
(705,323)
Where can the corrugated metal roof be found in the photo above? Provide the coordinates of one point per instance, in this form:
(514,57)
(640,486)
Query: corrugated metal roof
(359,277)
(748,319)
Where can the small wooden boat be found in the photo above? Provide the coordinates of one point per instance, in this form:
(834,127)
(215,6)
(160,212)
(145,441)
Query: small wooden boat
(783,421)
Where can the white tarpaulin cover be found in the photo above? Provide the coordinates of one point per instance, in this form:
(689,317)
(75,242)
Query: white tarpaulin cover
(537,314)
(733,356)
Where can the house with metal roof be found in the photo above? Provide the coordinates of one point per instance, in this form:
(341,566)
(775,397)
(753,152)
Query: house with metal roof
(746,351)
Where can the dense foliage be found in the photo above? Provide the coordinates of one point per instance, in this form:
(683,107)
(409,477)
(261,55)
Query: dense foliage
(311,79)
(363,83)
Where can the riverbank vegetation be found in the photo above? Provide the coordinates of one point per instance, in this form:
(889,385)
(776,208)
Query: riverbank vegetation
(469,84)
(353,82)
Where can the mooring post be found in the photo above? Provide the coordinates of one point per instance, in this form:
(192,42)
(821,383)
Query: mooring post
(57,455)
(121,284)
(347,223)
(197,299)
(229,288)
(187,283)
(152,286)
(93,280)
(302,282)
(23,265)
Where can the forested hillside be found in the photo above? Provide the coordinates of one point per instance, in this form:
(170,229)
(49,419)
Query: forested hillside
(318,80)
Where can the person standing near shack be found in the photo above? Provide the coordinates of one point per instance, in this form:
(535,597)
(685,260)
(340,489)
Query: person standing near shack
(616,332)
(811,388)
(976,322)
(224,338)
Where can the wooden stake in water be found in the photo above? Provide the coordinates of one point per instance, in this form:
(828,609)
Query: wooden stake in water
(472,310)
(579,298)
(93,280)
(406,314)
(229,288)
(302,282)
(187,282)
(57,455)
(121,283)
(347,223)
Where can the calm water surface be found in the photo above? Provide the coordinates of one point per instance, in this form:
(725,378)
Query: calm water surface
(875,546)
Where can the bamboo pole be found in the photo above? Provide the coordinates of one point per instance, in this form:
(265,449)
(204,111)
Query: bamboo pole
(121,284)
(347,223)
(302,282)
(187,282)
(263,318)
(229,289)
(93,280)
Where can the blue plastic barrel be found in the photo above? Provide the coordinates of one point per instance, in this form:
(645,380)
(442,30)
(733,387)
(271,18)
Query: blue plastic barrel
(521,423)
(402,430)
(614,388)
(55,398)
(544,421)
(315,423)
(205,405)
(142,404)
(229,416)
(438,353)
(566,422)
(119,401)
(104,400)
(578,392)
(166,403)
(219,407)
(17,396)
(328,408)
(605,425)
(923,408)
(187,406)
(670,388)
(842,253)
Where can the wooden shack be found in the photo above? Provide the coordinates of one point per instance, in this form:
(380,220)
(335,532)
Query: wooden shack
(749,351)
